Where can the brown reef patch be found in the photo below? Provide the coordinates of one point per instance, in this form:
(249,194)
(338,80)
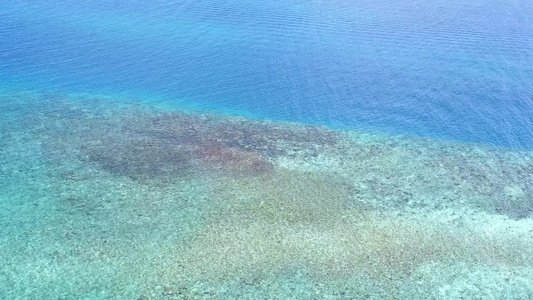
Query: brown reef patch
(166,146)
(237,161)
(139,158)
(267,139)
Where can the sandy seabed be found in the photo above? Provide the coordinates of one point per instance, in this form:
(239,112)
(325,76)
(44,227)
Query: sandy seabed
(102,198)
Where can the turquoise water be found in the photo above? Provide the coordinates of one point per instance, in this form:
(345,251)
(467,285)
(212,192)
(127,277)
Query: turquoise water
(266,150)
(445,69)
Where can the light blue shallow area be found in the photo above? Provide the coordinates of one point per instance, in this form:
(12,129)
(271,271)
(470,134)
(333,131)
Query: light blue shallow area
(457,70)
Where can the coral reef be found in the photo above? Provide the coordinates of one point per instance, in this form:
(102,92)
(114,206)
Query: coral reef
(171,145)
(140,158)
(233,160)
(407,174)
(267,139)
(102,197)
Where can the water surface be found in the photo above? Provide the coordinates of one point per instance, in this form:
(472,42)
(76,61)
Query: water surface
(266,150)
(446,69)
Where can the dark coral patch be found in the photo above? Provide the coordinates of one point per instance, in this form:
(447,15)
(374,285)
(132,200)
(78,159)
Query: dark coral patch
(236,161)
(267,139)
(170,145)
(139,158)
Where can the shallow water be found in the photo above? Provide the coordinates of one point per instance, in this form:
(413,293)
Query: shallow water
(145,153)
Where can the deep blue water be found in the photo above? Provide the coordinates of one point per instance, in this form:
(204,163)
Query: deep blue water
(459,70)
